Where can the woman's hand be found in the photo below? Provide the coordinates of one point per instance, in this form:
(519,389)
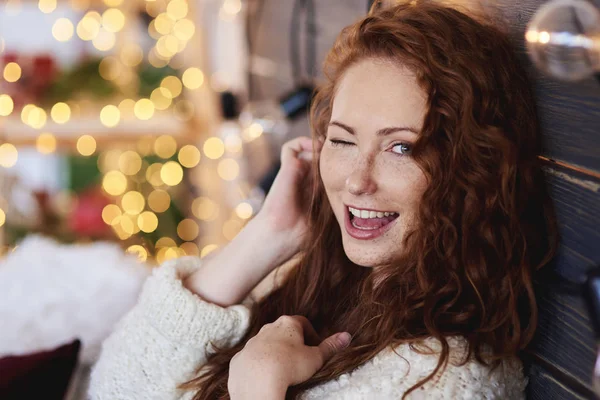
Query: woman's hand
(269,240)
(284,353)
(284,211)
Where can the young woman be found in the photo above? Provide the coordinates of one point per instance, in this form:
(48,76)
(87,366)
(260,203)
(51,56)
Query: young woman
(416,246)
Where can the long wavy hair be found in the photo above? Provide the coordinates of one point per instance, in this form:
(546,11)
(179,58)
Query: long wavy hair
(485,222)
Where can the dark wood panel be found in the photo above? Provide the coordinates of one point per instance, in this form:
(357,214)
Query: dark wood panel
(577,202)
(544,386)
(565,339)
(569,111)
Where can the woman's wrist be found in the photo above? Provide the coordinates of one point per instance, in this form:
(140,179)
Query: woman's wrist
(228,276)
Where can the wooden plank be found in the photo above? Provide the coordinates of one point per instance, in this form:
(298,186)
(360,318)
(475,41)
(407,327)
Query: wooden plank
(565,338)
(544,386)
(577,203)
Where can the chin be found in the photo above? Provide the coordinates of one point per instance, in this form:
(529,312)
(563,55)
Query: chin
(365,255)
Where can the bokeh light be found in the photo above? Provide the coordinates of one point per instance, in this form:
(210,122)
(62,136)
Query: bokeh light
(193,78)
(190,249)
(205,209)
(228,169)
(171,173)
(63,30)
(114,183)
(60,113)
(213,148)
(110,116)
(130,162)
(206,250)
(86,145)
(47,6)
(188,230)
(12,72)
(8,155)
(159,201)
(6,105)
(244,210)
(189,156)
(165,146)
(133,202)
(147,221)
(113,20)
(153,174)
(173,85)
(144,109)
(46,143)
(111,214)
(139,251)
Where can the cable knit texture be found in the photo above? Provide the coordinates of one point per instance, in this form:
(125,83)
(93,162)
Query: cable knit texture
(162,341)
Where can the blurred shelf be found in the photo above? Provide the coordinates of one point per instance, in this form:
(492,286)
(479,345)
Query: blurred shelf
(13,130)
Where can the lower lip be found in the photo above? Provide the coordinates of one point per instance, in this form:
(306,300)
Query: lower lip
(363,234)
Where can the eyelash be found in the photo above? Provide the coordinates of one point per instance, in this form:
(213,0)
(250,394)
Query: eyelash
(337,142)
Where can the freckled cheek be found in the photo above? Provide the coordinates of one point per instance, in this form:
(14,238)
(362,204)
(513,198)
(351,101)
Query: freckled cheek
(334,170)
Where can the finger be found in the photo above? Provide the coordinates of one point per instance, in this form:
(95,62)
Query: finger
(294,147)
(311,337)
(333,344)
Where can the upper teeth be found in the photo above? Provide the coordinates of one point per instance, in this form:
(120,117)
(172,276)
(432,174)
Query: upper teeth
(369,214)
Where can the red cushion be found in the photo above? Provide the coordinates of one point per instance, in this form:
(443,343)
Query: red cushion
(43,375)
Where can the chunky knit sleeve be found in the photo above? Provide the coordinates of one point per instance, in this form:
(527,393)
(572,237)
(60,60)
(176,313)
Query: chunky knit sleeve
(164,338)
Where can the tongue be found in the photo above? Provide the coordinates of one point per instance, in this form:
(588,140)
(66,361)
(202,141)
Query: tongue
(372,223)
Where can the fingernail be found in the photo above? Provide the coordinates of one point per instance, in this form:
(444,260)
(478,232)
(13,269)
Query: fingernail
(345,338)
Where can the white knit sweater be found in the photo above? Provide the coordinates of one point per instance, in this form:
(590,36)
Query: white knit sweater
(165,337)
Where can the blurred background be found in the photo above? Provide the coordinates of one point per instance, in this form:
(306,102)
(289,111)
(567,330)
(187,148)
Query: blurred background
(134,132)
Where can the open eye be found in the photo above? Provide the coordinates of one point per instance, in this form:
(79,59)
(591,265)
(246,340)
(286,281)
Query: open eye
(401,148)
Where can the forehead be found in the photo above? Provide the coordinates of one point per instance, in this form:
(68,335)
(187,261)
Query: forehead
(374,94)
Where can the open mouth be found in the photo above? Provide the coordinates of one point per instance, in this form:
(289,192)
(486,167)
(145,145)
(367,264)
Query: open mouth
(370,220)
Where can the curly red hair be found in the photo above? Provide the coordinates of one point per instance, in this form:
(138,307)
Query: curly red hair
(485,221)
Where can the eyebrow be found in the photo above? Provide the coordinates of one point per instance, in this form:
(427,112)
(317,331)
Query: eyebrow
(380,132)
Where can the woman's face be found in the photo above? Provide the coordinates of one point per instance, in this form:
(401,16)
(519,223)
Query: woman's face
(372,182)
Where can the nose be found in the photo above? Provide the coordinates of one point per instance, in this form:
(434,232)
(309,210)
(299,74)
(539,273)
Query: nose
(360,181)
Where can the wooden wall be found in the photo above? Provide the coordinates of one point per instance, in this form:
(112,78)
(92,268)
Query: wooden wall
(561,358)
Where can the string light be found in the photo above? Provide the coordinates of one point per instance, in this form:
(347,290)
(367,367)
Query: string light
(104,40)
(60,113)
(6,105)
(164,23)
(46,143)
(184,29)
(161,98)
(86,145)
(244,210)
(171,173)
(213,148)
(189,156)
(190,249)
(126,107)
(47,6)
(111,214)
(165,242)
(110,116)
(8,155)
(110,68)
(205,209)
(188,230)
(89,26)
(144,109)
(173,85)
(2,217)
(193,78)
(177,9)
(113,3)
(130,162)
(114,183)
(63,30)
(140,252)
(153,175)
(147,222)
(208,249)
(113,20)
(165,146)
(228,169)
(159,201)
(12,72)
(133,202)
